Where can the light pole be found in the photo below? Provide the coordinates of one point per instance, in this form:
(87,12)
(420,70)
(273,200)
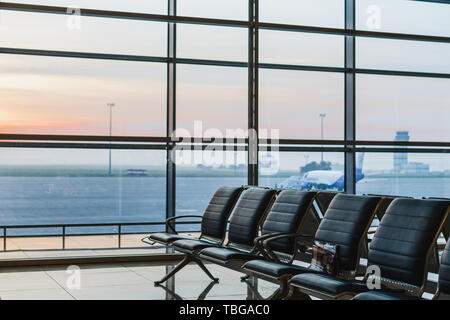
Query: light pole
(110,105)
(322,116)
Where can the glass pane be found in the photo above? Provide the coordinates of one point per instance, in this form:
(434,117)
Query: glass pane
(55,186)
(37,231)
(217,9)
(387,104)
(322,13)
(45,95)
(406,174)
(211,100)
(302,170)
(55,32)
(293,102)
(301,48)
(207,171)
(153,6)
(402,55)
(211,42)
(403,16)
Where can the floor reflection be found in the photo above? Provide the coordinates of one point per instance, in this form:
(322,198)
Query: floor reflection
(170,287)
(129,281)
(172,295)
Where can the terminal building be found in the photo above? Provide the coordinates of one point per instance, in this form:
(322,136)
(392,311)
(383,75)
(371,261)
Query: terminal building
(224,149)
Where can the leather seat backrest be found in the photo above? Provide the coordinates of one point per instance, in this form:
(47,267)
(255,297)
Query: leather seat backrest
(384,204)
(446,227)
(286,216)
(246,216)
(324,198)
(404,238)
(444,271)
(345,223)
(218,210)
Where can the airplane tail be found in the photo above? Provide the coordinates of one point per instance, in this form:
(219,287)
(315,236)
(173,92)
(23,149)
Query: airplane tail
(359,162)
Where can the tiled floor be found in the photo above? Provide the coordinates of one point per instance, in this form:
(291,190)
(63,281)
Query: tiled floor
(126,281)
(122,281)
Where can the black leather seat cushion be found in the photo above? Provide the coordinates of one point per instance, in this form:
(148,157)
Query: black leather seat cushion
(327,284)
(227,254)
(165,237)
(403,238)
(273,269)
(399,247)
(215,216)
(285,216)
(380,295)
(444,271)
(344,224)
(192,245)
(247,214)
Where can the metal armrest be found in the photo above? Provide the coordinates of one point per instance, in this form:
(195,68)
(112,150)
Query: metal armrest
(168,220)
(274,237)
(148,241)
(263,237)
(299,236)
(258,243)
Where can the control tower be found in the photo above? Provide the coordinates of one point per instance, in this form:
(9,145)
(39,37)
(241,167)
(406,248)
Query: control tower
(401,159)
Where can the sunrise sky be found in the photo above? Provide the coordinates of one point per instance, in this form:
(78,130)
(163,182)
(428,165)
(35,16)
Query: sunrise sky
(69,96)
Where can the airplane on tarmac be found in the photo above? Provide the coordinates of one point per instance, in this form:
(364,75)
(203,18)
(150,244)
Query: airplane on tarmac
(322,179)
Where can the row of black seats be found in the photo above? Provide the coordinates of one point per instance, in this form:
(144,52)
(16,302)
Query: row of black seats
(268,229)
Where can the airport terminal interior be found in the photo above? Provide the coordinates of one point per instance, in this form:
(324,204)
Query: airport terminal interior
(224,150)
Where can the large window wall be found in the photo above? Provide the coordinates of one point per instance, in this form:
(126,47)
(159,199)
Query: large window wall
(107,110)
